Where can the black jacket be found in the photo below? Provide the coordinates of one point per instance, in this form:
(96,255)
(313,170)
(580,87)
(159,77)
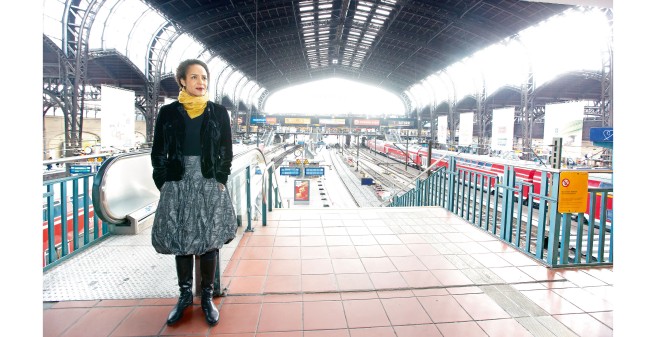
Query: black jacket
(216,143)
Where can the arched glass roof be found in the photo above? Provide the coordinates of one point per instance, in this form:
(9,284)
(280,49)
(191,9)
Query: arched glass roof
(575,40)
(129,26)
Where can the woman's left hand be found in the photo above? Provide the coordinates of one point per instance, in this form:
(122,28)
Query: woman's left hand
(221,187)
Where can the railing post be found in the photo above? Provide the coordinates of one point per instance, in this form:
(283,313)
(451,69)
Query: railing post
(64,215)
(51,223)
(451,173)
(264,200)
(542,215)
(76,225)
(554,223)
(270,187)
(86,210)
(248,198)
(507,209)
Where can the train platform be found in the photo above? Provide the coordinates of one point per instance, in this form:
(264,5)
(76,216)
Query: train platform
(335,271)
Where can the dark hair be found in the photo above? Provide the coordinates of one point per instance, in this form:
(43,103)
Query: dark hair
(181,72)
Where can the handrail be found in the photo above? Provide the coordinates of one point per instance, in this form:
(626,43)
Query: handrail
(143,189)
(413,180)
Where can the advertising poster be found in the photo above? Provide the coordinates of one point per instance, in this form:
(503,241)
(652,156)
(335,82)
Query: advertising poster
(564,120)
(466,130)
(442,128)
(117,119)
(503,123)
(301,192)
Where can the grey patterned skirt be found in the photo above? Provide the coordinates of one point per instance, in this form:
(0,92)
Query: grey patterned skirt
(193,215)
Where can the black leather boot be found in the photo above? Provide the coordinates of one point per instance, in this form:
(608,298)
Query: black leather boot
(184,264)
(207,271)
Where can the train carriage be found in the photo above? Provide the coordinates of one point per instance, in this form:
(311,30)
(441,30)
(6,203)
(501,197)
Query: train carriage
(527,172)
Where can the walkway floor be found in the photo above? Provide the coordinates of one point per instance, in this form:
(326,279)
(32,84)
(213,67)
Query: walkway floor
(361,272)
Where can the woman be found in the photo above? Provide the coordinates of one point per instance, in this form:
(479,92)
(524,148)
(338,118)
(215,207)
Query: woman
(191,158)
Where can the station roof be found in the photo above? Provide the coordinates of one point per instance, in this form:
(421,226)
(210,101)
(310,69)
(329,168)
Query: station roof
(398,43)
(387,43)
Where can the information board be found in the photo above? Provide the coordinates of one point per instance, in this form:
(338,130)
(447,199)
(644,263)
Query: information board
(290,171)
(80,169)
(314,171)
(573,192)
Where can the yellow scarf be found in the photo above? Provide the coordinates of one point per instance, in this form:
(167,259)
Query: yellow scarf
(194,105)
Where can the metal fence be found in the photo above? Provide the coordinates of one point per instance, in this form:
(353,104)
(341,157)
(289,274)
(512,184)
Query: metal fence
(69,220)
(522,213)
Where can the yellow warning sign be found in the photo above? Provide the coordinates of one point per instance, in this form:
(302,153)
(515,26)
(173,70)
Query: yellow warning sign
(573,192)
(298,162)
(306,162)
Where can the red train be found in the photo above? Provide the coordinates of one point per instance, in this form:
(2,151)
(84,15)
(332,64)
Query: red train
(69,226)
(527,171)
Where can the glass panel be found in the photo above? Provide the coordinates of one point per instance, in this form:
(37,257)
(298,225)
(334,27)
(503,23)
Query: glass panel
(52,16)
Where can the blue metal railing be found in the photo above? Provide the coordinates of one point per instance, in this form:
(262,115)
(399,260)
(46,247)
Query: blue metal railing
(510,209)
(85,221)
(70,223)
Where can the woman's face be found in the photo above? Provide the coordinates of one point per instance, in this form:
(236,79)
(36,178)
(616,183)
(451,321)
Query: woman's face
(195,81)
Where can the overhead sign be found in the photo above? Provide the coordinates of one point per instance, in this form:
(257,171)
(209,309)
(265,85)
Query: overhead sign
(290,171)
(272,120)
(366,122)
(601,135)
(396,122)
(80,169)
(314,171)
(573,192)
(297,121)
(332,121)
(306,162)
(258,120)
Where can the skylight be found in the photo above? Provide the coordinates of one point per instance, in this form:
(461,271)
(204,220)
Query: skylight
(366,27)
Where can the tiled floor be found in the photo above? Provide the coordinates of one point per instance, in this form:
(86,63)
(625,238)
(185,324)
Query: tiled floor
(368,272)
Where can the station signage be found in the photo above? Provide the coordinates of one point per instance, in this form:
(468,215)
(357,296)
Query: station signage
(290,171)
(366,122)
(255,120)
(601,135)
(297,120)
(314,171)
(272,120)
(332,121)
(80,169)
(396,122)
(573,192)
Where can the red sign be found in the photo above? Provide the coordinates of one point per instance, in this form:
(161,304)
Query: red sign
(301,191)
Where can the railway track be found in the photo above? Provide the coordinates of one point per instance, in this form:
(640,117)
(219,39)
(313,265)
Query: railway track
(389,177)
(351,182)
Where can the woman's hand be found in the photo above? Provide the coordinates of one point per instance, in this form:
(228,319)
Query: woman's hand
(221,187)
